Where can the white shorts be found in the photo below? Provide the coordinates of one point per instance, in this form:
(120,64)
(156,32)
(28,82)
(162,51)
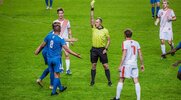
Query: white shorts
(166,35)
(129,72)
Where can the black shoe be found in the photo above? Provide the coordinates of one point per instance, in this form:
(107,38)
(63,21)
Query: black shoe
(64,88)
(173,53)
(92,83)
(163,57)
(114,98)
(110,83)
(54,94)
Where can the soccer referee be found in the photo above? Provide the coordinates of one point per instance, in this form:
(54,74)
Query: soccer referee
(100,44)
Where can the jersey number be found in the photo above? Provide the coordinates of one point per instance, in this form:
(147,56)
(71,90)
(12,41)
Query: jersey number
(134,49)
(51,44)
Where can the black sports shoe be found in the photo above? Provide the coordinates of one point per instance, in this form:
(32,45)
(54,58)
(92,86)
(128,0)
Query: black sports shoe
(114,98)
(64,88)
(54,94)
(163,57)
(92,83)
(110,83)
(173,53)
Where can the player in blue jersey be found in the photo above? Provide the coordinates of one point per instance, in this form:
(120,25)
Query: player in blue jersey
(46,71)
(55,43)
(153,3)
(178,62)
(49,6)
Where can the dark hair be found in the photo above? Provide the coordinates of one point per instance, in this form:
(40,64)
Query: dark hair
(128,33)
(99,18)
(55,24)
(60,9)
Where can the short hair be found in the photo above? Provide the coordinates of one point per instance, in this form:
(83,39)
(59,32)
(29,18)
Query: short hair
(60,9)
(99,18)
(128,33)
(165,1)
(56,24)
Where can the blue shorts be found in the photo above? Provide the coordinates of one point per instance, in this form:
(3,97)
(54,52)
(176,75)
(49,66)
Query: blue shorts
(55,64)
(179,46)
(44,53)
(154,1)
(179,69)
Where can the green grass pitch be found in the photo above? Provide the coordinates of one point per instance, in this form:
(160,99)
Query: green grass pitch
(25,23)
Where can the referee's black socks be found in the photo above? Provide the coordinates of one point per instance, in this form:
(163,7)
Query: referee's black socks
(93,74)
(107,72)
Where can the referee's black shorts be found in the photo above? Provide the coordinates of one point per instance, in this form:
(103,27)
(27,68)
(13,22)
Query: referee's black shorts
(96,53)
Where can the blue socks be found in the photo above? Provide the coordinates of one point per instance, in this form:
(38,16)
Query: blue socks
(51,78)
(157,9)
(51,1)
(153,11)
(44,74)
(56,83)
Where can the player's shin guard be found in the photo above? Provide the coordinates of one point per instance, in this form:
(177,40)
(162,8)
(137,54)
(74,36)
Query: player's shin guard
(153,11)
(163,48)
(67,61)
(55,84)
(107,73)
(51,78)
(157,9)
(119,89)
(93,74)
(44,74)
(138,90)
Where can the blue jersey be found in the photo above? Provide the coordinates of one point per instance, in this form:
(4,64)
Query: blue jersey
(179,46)
(46,47)
(54,45)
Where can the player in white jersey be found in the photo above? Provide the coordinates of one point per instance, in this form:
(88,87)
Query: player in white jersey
(166,16)
(66,33)
(128,66)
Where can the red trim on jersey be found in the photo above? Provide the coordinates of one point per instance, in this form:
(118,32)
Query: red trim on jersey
(64,25)
(123,71)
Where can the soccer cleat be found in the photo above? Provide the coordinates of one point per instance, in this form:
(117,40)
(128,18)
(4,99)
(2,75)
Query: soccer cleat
(173,53)
(92,83)
(163,57)
(68,72)
(39,82)
(64,88)
(109,83)
(54,94)
(50,87)
(114,98)
(47,7)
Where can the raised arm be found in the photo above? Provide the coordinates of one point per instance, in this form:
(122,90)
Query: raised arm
(71,52)
(38,50)
(141,60)
(92,13)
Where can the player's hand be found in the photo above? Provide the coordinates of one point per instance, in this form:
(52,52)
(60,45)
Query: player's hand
(104,51)
(72,43)
(156,23)
(36,52)
(73,39)
(78,56)
(92,3)
(142,68)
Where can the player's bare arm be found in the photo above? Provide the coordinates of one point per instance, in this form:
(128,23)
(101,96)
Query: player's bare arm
(92,13)
(38,50)
(70,35)
(141,60)
(122,59)
(107,45)
(71,52)
(71,40)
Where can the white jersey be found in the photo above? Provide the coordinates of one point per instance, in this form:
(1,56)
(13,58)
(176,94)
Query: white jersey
(165,15)
(65,33)
(132,48)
